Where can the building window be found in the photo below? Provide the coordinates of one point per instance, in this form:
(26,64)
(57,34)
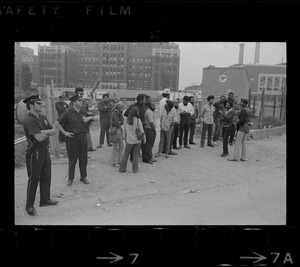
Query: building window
(270,83)
(276,83)
(262,82)
(283,84)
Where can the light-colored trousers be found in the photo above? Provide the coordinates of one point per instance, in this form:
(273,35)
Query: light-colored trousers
(240,146)
(118,149)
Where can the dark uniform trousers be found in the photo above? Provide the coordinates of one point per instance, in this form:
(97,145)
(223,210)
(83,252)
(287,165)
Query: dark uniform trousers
(77,149)
(105,125)
(185,122)
(38,163)
(192,130)
(147,147)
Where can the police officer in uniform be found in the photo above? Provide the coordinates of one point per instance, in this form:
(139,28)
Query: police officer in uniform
(80,92)
(74,124)
(38,162)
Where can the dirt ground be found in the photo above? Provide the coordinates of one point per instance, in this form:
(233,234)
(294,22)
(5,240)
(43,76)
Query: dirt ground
(195,187)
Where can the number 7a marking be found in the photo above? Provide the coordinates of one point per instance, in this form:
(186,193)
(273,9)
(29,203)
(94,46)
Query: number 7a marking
(135,257)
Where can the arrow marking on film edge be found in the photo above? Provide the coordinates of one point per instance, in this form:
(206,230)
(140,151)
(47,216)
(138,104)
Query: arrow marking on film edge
(115,258)
(259,258)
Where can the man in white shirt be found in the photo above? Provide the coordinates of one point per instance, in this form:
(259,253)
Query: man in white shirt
(150,132)
(186,110)
(208,120)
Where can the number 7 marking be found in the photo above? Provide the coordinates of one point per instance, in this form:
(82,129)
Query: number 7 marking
(277,255)
(135,257)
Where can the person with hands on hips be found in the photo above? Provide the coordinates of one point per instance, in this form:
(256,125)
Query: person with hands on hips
(74,124)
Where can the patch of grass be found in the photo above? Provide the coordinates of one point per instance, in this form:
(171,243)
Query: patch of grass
(20,149)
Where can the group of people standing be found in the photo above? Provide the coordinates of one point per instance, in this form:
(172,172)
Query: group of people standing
(136,126)
(231,118)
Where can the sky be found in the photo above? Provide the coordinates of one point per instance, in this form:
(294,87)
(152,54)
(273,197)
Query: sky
(194,56)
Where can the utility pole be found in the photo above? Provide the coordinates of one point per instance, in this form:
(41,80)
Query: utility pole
(262,107)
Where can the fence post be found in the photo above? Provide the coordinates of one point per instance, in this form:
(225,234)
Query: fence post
(281,106)
(51,117)
(262,108)
(254,103)
(249,98)
(274,107)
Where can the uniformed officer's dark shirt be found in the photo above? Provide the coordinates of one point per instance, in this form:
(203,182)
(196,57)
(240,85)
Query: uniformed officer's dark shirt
(33,125)
(72,121)
(85,105)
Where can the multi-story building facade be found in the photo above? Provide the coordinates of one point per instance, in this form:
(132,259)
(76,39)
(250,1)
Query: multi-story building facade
(114,65)
(165,67)
(88,56)
(120,65)
(140,66)
(57,63)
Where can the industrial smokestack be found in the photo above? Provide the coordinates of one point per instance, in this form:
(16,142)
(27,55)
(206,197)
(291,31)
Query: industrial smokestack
(241,54)
(256,56)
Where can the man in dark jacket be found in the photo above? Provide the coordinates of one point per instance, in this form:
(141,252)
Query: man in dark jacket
(104,108)
(141,104)
(226,122)
(219,109)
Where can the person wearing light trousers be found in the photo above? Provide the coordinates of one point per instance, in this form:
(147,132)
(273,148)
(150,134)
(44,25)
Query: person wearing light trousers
(243,130)
(133,144)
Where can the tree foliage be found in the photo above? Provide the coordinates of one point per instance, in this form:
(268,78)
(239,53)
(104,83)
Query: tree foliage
(26,78)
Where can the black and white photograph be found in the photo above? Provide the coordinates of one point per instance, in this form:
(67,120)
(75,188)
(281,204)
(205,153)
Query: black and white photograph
(150,133)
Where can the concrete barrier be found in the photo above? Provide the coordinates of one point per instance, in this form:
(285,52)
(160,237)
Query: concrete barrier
(263,133)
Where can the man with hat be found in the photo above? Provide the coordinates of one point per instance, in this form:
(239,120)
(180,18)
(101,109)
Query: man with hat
(37,130)
(61,107)
(74,124)
(243,130)
(166,95)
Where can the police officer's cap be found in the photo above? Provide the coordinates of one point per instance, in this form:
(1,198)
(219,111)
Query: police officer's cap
(32,99)
(245,100)
(75,97)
